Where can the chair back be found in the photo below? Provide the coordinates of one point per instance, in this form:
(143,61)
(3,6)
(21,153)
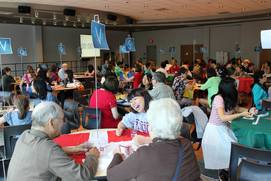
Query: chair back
(91,120)
(251,171)
(82,96)
(241,152)
(71,113)
(11,135)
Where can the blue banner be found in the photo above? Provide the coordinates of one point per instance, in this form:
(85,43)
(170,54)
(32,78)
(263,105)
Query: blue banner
(130,44)
(5,46)
(122,49)
(98,35)
(22,52)
(61,49)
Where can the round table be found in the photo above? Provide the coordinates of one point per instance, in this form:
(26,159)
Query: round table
(255,136)
(81,137)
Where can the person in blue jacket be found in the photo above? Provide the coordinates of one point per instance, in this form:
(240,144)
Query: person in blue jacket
(259,90)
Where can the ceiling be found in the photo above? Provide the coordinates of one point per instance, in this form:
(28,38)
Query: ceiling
(165,10)
(149,12)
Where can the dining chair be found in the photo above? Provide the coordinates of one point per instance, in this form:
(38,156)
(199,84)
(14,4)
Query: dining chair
(11,135)
(240,152)
(251,171)
(91,118)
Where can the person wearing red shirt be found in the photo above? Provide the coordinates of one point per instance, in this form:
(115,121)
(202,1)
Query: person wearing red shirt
(106,102)
(174,68)
(137,77)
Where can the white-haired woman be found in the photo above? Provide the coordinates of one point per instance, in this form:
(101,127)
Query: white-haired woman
(168,157)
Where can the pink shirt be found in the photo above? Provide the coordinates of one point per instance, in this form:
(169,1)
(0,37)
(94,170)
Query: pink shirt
(218,102)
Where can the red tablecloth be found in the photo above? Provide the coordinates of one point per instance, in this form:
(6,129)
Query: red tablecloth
(245,84)
(76,139)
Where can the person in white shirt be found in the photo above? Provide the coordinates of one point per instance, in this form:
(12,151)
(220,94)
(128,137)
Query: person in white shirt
(62,72)
(163,68)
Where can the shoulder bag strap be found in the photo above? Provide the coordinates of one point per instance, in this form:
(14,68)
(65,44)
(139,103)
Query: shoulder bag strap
(179,163)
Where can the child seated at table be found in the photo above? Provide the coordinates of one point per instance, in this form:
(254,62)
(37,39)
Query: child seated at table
(19,116)
(137,119)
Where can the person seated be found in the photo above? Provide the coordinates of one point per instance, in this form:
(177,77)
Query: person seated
(160,89)
(163,68)
(179,84)
(39,87)
(137,77)
(266,67)
(137,119)
(37,157)
(175,67)
(105,100)
(211,85)
(71,114)
(217,137)
(148,69)
(7,80)
(146,82)
(90,72)
(259,90)
(238,72)
(160,160)
(118,70)
(62,72)
(19,116)
(25,84)
(52,75)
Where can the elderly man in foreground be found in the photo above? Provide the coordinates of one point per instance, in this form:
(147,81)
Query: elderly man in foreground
(37,157)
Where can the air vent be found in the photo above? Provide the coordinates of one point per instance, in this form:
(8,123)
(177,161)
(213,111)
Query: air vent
(224,12)
(162,9)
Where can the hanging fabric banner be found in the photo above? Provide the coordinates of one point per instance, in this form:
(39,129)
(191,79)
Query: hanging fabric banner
(22,52)
(61,49)
(122,49)
(5,46)
(98,35)
(130,44)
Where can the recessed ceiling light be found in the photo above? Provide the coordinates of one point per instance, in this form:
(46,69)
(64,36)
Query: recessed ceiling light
(6,12)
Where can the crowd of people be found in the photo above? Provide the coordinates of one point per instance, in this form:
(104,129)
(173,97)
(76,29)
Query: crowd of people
(156,96)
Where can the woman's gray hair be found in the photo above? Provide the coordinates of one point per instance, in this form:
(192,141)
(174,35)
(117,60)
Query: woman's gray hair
(44,112)
(165,119)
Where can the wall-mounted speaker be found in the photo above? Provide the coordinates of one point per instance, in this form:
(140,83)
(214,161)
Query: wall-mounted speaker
(69,12)
(129,20)
(24,9)
(112,17)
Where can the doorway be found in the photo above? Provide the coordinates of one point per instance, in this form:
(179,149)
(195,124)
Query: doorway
(151,53)
(190,53)
(265,55)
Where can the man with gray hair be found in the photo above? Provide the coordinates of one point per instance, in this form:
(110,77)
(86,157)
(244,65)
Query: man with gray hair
(160,89)
(37,157)
(62,72)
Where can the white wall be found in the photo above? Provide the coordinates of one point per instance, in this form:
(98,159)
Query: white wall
(215,38)
(25,36)
(41,42)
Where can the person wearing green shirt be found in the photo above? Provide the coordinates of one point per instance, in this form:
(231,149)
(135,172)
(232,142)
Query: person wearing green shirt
(211,85)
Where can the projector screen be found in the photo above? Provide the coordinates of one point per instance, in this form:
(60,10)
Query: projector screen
(87,48)
(266,39)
